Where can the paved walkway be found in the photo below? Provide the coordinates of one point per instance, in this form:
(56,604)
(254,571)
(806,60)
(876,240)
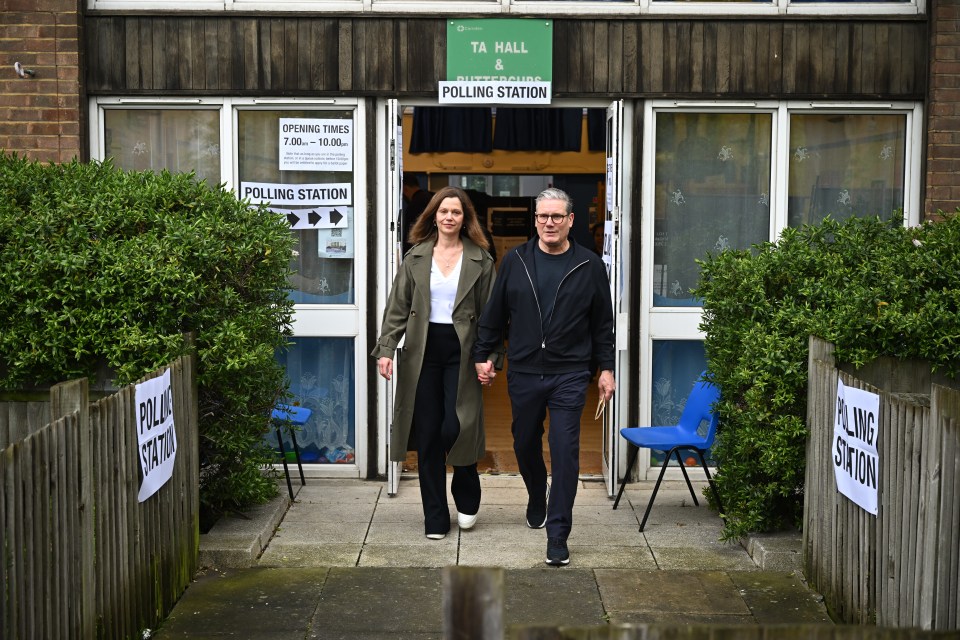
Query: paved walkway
(347,561)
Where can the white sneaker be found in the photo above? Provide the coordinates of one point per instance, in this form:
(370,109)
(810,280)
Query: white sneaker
(436,536)
(465,521)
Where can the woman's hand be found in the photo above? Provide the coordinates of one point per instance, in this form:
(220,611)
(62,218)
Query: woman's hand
(385,365)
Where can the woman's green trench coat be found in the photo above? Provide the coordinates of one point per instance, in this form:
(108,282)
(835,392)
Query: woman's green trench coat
(408,313)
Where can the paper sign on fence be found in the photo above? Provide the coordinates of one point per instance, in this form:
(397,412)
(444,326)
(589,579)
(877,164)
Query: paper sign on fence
(856,462)
(156,435)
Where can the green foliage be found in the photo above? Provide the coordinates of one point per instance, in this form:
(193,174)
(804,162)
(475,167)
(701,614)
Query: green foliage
(104,267)
(872,288)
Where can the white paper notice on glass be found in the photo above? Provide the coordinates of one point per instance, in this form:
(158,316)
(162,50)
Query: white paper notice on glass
(156,435)
(856,461)
(314,144)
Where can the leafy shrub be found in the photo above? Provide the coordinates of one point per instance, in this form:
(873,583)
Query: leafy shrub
(101,267)
(870,287)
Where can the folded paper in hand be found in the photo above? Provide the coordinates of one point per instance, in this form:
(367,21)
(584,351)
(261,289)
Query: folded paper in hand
(601,408)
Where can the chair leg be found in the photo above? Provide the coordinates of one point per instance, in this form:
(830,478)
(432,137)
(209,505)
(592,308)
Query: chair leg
(683,469)
(283,457)
(656,487)
(713,485)
(296,449)
(631,458)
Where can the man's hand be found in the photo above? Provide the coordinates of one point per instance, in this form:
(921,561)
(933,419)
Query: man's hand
(485,372)
(606,384)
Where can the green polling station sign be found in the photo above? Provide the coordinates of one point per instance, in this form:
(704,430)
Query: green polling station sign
(500,50)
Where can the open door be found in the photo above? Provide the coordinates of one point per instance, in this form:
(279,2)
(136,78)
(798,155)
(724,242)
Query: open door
(394,138)
(613,258)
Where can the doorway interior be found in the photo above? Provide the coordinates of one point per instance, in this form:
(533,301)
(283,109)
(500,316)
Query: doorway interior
(503,180)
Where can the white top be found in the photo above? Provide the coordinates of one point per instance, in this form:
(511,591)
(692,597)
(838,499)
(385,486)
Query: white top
(443,292)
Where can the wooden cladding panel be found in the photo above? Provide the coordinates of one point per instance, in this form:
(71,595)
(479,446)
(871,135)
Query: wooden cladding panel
(705,58)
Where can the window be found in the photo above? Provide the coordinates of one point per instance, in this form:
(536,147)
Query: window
(845,165)
(175,139)
(323,379)
(314,190)
(711,192)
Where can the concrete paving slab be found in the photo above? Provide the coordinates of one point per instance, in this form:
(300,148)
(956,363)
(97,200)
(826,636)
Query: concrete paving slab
(503,534)
(698,558)
(548,596)
(781,551)
(610,557)
(326,554)
(509,556)
(329,512)
(673,592)
(779,597)
(349,492)
(407,533)
(275,603)
(230,552)
(623,534)
(370,600)
(408,555)
(687,535)
(398,512)
(313,532)
(603,514)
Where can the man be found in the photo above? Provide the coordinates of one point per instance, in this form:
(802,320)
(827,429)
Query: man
(415,200)
(553,298)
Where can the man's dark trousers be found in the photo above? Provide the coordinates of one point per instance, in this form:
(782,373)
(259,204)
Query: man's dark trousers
(531,395)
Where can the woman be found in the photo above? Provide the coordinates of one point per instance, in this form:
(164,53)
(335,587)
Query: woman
(438,294)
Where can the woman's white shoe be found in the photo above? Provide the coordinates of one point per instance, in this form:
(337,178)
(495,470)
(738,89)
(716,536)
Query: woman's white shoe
(465,521)
(436,536)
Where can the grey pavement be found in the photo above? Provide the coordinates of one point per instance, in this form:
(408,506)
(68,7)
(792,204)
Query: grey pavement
(345,560)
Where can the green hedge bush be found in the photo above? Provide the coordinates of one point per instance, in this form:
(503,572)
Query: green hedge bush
(102,267)
(870,287)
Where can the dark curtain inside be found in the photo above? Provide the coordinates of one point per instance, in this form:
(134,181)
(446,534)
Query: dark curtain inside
(531,129)
(463,129)
(597,129)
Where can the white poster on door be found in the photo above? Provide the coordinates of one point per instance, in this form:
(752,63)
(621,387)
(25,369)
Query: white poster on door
(314,144)
(156,435)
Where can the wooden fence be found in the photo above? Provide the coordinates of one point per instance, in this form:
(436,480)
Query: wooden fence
(81,557)
(901,567)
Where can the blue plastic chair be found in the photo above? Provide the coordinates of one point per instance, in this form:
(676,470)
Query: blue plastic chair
(684,436)
(285,414)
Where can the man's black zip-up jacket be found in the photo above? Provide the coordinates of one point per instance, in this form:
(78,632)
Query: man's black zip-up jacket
(577,336)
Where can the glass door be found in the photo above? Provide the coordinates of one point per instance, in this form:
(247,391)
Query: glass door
(613,259)
(392,254)
(303,160)
(708,189)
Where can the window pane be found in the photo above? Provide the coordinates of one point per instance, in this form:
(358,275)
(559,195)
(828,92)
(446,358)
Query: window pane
(320,200)
(178,140)
(712,186)
(677,364)
(845,165)
(322,378)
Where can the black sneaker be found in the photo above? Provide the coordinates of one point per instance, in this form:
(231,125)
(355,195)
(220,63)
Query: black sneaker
(557,554)
(537,511)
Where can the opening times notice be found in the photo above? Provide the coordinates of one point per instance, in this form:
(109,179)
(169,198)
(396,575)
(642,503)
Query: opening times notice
(314,144)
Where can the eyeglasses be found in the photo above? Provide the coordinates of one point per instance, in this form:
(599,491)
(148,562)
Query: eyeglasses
(555,218)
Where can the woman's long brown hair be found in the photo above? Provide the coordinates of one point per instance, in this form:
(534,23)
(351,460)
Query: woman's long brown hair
(425,227)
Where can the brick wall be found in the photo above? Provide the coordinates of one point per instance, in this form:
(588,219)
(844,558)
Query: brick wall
(943,110)
(41,116)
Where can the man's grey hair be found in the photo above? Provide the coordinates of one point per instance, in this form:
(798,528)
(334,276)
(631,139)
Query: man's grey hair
(556,194)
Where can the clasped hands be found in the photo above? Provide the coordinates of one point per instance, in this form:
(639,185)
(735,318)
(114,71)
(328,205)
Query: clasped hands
(485,372)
